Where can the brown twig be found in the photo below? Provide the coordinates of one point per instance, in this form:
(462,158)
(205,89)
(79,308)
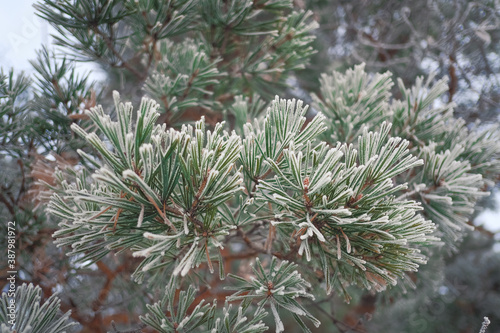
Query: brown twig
(7,204)
(124,64)
(341,326)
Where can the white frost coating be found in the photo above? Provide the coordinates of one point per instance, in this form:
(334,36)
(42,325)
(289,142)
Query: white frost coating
(185,264)
(279,324)
(152,236)
(484,326)
(305,246)
(311,230)
(186,229)
(141,217)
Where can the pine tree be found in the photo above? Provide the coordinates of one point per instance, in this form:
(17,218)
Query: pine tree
(208,172)
(34,317)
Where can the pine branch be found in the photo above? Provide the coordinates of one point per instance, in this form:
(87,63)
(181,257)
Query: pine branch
(123,63)
(359,193)
(30,315)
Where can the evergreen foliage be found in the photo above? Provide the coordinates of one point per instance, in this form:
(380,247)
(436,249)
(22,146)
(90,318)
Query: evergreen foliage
(31,315)
(466,275)
(235,211)
(191,54)
(171,197)
(445,187)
